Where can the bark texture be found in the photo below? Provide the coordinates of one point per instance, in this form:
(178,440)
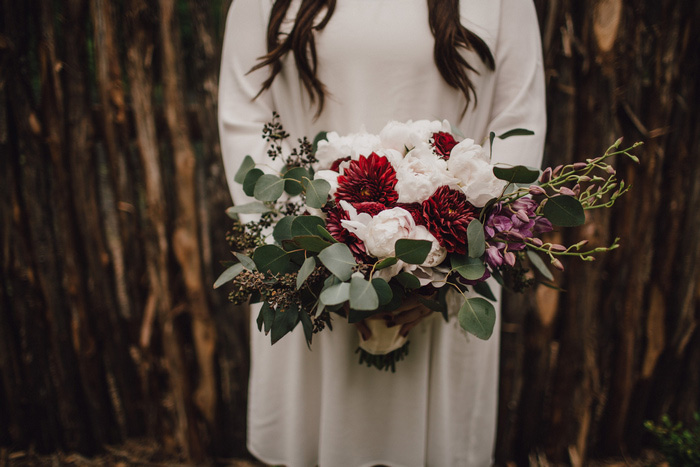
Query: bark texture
(112,227)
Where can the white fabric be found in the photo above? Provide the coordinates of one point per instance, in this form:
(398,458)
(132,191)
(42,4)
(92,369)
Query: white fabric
(320,407)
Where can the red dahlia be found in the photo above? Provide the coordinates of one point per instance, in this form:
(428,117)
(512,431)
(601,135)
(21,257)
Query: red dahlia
(368,179)
(369,207)
(448,213)
(335,166)
(443,144)
(343,235)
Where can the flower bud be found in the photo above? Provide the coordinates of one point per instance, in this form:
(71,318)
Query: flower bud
(577,189)
(567,191)
(579,165)
(610,169)
(584,178)
(557,247)
(510,258)
(537,190)
(536,241)
(546,175)
(557,264)
(522,215)
(557,169)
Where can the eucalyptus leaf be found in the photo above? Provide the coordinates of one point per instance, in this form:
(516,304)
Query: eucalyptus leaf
(431,304)
(385,263)
(305,271)
(268,188)
(355,316)
(311,243)
(539,264)
(517,174)
(383,290)
(322,135)
(442,299)
(294,177)
(271,258)
(339,260)
(285,321)
(470,268)
(335,294)
(308,327)
(325,234)
(476,241)
(408,280)
(247,263)
(259,320)
(477,316)
(363,296)
(256,207)
(483,289)
(564,211)
(283,229)
(306,225)
(268,315)
(316,192)
(412,251)
(247,164)
(516,132)
(228,275)
(251,178)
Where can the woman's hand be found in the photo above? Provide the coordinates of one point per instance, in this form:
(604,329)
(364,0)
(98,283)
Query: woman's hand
(408,315)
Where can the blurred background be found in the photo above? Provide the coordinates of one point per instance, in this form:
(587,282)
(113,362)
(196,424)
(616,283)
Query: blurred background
(112,229)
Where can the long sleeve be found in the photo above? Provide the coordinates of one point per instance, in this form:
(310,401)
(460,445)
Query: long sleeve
(519,96)
(241,115)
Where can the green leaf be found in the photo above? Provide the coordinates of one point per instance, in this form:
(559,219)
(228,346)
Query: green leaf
(311,243)
(322,135)
(408,280)
(260,320)
(335,294)
(326,234)
(268,316)
(283,229)
(256,207)
(247,263)
(516,132)
(442,299)
(271,258)
(251,178)
(285,321)
(475,239)
(355,316)
(477,316)
(564,211)
(483,289)
(363,296)
(247,164)
(385,263)
(228,275)
(431,304)
(383,290)
(306,225)
(470,268)
(294,177)
(268,188)
(539,264)
(517,174)
(412,251)
(308,327)
(339,260)
(305,271)
(316,192)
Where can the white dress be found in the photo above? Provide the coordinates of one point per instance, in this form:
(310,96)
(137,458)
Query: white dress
(320,407)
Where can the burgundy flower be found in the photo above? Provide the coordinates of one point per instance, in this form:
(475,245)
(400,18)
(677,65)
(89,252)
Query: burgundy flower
(343,235)
(443,144)
(335,166)
(368,179)
(416,210)
(448,213)
(370,207)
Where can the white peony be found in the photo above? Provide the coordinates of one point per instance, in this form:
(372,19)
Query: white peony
(405,136)
(470,165)
(420,173)
(379,233)
(337,147)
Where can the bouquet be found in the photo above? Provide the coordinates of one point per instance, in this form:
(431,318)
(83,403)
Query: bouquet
(352,225)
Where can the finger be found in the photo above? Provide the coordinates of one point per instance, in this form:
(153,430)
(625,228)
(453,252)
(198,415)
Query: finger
(365,332)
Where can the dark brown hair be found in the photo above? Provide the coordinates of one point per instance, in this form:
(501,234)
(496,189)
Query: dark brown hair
(445,25)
